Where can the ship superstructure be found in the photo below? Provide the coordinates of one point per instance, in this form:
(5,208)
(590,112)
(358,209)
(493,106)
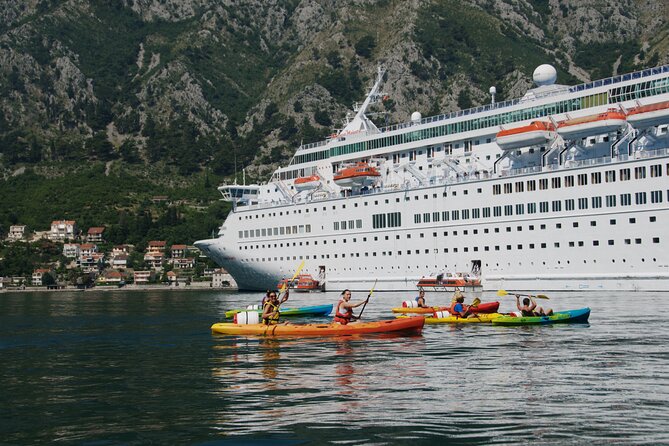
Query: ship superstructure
(565,188)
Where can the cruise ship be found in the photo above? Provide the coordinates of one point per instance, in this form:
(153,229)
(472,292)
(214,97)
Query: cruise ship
(566,188)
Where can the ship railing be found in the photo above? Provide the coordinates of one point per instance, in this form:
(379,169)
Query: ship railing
(520,171)
(470,177)
(511,102)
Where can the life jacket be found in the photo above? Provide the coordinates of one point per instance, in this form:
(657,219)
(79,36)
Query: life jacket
(451,309)
(343,318)
(274,318)
(527,313)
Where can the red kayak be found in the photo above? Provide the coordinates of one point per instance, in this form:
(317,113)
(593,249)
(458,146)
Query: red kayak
(484,307)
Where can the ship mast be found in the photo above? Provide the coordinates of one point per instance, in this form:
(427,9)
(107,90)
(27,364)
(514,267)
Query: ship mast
(360,122)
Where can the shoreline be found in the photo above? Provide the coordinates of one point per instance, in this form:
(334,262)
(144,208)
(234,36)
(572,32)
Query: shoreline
(116,289)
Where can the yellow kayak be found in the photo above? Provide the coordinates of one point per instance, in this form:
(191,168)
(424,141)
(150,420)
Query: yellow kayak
(475,319)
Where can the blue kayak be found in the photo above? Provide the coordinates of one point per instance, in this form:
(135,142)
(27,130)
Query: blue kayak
(570,316)
(314,310)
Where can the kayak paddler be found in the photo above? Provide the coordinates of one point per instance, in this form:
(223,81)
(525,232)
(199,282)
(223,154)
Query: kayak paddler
(270,309)
(529,307)
(344,308)
(420,299)
(458,308)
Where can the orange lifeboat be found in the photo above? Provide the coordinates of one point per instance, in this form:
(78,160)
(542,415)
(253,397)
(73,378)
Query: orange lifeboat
(448,282)
(533,134)
(651,115)
(307,183)
(577,128)
(357,176)
(306,283)
(287,282)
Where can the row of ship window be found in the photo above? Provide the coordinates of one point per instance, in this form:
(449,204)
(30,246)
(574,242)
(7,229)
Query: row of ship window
(269,232)
(408,252)
(496,230)
(571,204)
(624,174)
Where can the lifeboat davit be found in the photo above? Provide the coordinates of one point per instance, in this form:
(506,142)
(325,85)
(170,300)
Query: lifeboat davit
(578,128)
(649,115)
(307,183)
(533,134)
(357,176)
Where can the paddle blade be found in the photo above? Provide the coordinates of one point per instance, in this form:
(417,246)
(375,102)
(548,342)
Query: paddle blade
(475,302)
(502,293)
(297,272)
(542,296)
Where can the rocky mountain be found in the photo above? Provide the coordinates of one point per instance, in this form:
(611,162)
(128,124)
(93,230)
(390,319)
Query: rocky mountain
(187,85)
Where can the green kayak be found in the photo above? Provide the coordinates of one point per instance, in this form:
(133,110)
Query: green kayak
(571,316)
(314,310)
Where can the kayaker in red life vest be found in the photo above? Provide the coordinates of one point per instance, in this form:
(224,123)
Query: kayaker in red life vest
(420,300)
(344,309)
(529,307)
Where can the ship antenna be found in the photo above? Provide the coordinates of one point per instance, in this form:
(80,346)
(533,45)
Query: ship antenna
(235,167)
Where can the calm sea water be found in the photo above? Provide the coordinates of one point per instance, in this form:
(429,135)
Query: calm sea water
(108,368)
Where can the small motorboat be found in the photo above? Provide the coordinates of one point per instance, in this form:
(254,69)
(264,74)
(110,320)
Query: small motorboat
(307,283)
(457,281)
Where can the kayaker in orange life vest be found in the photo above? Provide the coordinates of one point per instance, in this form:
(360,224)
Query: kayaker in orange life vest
(458,308)
(344,308)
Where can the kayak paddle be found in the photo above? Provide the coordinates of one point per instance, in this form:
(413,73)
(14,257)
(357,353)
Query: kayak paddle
(368,296)
(503,293)
(297,272)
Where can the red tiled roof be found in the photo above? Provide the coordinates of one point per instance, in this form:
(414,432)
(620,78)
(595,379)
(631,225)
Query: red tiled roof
(178,247)
(96,230)
(157,243)
(63,222)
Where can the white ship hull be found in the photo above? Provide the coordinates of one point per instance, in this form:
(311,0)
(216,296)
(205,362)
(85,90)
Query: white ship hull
(526,222)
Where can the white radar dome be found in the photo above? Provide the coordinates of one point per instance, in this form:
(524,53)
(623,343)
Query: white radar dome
(545,75)
(493,90)
(416,116)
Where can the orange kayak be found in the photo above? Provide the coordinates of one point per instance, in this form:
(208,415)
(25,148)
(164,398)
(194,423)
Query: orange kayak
(411,324)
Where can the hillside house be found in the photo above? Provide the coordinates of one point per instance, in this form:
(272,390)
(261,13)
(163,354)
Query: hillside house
(16,233)
(142,277)
(178,251)
(185,263)
(71,250)
(38,276)
(94,234)
(156,246)
(63,230)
